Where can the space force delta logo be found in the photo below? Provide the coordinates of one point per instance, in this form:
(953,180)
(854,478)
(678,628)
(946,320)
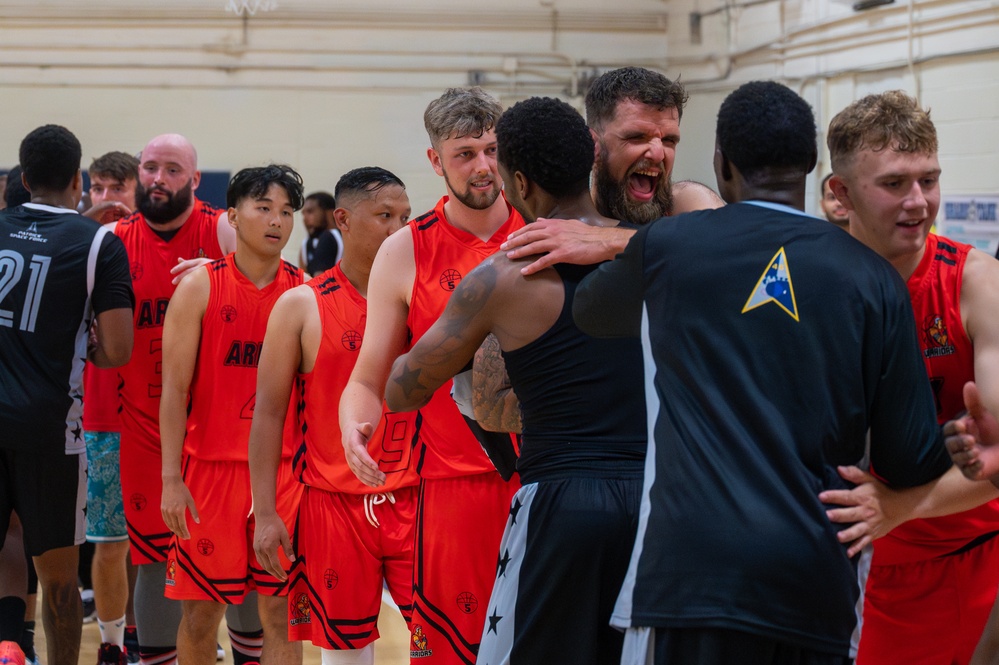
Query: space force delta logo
(31,233)
(774,286)
(936,338)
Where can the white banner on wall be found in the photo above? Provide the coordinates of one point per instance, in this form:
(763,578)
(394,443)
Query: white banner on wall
(971,219)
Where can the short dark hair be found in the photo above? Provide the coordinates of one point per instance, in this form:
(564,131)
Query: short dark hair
(548,141)
(50,157)
(635,83)
(254,182)
(15,194)
(324,200)
(461,112)
(118,165)
(361,183)
(764,124)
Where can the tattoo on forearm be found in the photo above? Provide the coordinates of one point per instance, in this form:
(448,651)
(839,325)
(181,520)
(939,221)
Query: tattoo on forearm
(496,405)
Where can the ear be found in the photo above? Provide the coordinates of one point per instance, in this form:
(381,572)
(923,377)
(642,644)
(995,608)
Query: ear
(841,190)
(195,180)
(24,181)
(341,218)
(231,215)
(723,167)
(435,161)
(596,144)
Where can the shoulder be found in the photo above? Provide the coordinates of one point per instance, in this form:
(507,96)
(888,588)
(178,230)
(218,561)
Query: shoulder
(689,195)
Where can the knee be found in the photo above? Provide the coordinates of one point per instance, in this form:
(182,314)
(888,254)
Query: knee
(274,614)
(111,554)
(202,618)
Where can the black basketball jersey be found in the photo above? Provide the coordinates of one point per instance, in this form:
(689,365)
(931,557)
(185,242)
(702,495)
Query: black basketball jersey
(583,409)
(57,270)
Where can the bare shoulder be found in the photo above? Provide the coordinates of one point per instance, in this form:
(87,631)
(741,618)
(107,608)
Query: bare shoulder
(194,287)
(980,293)
(689,195)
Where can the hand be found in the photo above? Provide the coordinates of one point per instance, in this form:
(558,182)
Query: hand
(565,241)
(270,535)
(868,508)
(355,447)
(106,212)
(176,500)
(184,267)
(972,440)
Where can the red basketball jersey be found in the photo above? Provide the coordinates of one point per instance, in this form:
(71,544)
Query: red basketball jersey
(935,289)
(224,386)
(100,399)
(150,259)
(444,254)
(320,461)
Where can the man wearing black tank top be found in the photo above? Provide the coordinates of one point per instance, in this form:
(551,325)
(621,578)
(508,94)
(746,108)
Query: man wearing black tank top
(583,421)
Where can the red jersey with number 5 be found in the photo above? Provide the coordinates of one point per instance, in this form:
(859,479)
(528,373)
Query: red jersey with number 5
(224,387)
(150,259)
(320,461)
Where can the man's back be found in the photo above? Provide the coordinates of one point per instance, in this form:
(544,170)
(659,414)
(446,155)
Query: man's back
(769,374)
(53,262)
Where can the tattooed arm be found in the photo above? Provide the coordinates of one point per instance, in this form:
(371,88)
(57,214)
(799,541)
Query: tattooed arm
(496,406)
(448,345)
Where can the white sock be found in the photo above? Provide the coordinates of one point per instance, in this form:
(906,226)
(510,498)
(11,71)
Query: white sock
(363,656)
(113,632)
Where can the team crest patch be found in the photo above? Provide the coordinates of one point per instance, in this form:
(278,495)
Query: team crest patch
(301,611)
(138,501)
(330,578)
(467,602)
(420,648)
(351,340)
(228,313)
(206,547)
(936,337)
(449,279)
(171,573)
(774,286)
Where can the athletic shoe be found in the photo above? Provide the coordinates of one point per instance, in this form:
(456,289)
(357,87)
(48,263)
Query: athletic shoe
(89,606)
(10,653)
(131,645)
(28,643)
(219,652)
(111,654)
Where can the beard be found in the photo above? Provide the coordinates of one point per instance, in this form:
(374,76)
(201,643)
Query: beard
(475,200)
(162,212)
(612,196)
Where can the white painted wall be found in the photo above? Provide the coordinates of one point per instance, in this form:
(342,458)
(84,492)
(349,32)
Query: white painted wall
(331,86)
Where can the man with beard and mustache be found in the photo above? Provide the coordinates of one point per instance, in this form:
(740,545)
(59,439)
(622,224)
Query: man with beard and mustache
(634,116)
(464,502)
(171,232)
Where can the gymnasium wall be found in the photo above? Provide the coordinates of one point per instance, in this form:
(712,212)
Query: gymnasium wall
(331,86)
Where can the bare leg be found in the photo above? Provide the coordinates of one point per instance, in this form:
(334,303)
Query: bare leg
(62,614)
(198,632)
(110,577)
(274,617)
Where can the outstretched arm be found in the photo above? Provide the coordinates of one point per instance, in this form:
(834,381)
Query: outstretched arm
(449,344)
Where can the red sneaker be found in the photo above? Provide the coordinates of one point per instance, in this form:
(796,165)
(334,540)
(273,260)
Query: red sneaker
(10,653)
(111,654)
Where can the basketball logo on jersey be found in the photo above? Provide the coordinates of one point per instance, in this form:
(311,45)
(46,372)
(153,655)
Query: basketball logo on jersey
(135,270)
(351,340)
(467,602)
(937,340)
(301,611)
(228,313)
(206,547)
(774,286)
(138,501)
(331,578)
(420,644)
(449,279)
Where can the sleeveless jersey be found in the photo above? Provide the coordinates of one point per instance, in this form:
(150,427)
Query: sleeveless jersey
(443,254)
(224,386)
(57,270)
(581,398)
(101,403)
(150,259)
(320,462)
(935,289)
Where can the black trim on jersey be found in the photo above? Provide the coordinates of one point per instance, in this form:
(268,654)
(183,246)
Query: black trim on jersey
(946,246)
(430,216)
(980,540)
(946,259)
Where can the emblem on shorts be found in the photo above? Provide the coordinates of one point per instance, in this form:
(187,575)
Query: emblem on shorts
(420,644)
(351,340)
(449,279)
(936,338)
(135,270)
(206,547)
(171,573)
(330,578)
(228,313)
(467,602)
(138,501)
(301,611)
(201,253)
(774,286)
